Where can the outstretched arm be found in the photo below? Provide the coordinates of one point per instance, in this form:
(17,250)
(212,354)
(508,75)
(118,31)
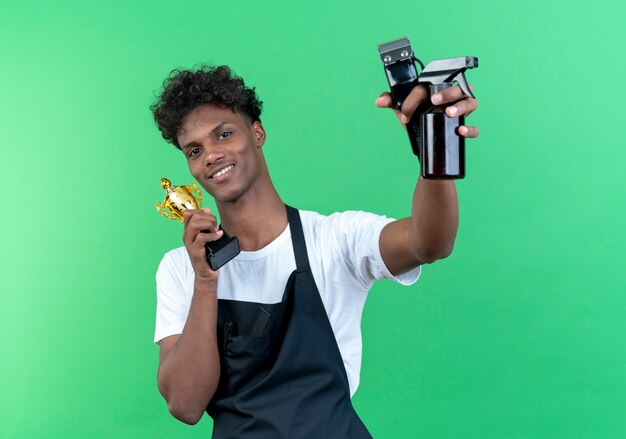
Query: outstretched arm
(429,233)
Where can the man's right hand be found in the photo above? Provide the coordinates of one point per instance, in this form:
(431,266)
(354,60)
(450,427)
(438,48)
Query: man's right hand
(200,227)
(189,363)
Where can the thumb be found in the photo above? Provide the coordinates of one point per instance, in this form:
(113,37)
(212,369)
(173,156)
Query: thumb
(386,101)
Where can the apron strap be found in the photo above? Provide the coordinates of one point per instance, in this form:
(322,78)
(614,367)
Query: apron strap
(297,237)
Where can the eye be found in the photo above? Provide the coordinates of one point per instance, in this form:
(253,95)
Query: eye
(225,134)
(194,152)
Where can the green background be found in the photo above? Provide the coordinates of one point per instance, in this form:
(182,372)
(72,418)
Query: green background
(520,333)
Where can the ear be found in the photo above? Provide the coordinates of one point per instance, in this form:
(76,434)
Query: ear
(259,133)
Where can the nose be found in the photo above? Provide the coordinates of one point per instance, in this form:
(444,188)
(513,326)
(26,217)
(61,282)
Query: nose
(213,156)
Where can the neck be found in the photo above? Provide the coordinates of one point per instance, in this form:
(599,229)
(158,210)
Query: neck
(257,218)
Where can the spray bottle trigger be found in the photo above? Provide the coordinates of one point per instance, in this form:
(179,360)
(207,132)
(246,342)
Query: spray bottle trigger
(460,78)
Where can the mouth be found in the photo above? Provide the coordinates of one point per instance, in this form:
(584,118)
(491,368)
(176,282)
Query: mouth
(222,173)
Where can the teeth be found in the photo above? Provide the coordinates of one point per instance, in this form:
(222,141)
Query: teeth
(223,171)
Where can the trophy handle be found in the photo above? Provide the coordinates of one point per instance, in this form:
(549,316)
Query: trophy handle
(161,208)
(193,187)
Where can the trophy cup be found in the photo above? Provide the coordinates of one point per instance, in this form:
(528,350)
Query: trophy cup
(179,198)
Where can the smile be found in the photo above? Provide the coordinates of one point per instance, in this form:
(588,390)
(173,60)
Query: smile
(222,171)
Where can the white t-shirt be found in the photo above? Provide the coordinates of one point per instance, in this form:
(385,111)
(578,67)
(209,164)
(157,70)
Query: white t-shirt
(345,259)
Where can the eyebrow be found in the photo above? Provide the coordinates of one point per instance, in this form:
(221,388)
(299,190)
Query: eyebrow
(194,143)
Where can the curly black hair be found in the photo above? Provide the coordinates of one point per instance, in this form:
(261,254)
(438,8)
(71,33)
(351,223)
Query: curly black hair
(184,90)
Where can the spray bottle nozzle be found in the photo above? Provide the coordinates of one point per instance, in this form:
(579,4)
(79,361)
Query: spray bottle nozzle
(449,70)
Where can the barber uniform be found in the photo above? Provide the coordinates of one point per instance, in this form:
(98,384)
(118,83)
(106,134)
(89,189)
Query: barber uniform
(282,374)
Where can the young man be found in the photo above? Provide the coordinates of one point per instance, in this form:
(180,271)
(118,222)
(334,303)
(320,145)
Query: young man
(270,345)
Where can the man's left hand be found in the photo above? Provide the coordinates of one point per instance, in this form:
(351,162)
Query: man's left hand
(451,95)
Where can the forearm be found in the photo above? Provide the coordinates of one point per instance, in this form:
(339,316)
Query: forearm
(189,375)
(435,218)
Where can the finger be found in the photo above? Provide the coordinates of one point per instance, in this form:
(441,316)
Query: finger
(468,132)
(384,100)
(187,214)
(447,95)
(200,222)
(205,237)
(196,248)
(202,215)
(418,95)
(464,107)
(200,238)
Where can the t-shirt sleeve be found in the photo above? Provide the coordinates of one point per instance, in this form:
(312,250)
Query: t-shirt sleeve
(358,236)
(173,300)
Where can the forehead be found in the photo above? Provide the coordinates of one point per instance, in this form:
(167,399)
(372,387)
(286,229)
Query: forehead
(206,117)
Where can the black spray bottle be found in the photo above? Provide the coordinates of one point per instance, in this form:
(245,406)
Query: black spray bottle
(434,136)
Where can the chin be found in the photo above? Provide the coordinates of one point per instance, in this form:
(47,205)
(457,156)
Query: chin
(226,196)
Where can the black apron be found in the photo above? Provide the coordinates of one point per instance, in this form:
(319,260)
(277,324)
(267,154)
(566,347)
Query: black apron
(282,375)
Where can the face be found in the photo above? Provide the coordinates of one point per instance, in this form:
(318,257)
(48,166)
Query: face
(223,151)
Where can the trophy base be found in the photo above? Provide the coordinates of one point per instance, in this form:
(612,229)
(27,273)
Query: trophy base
(221,251)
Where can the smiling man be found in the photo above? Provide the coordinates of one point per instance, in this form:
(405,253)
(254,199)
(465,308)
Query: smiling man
(270,345)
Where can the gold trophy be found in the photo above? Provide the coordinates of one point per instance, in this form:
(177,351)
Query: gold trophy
(179,198)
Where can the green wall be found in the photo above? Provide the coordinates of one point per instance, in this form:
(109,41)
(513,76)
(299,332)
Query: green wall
(521,333)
